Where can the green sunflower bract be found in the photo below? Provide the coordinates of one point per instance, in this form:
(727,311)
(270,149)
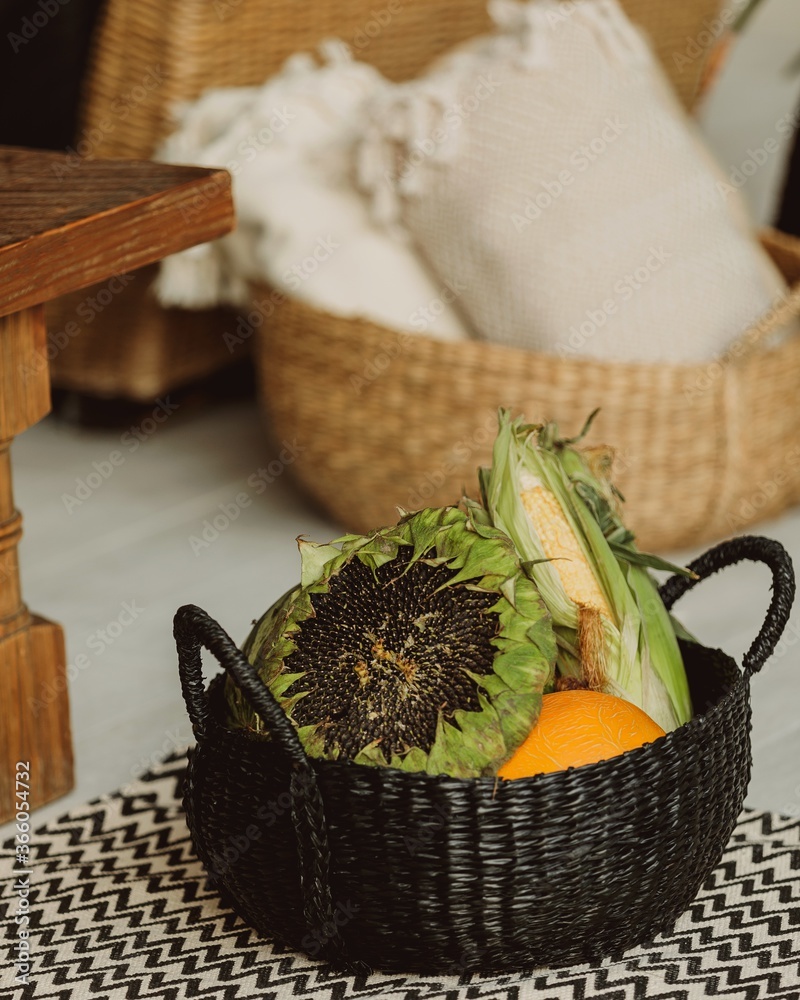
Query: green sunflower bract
(422,646)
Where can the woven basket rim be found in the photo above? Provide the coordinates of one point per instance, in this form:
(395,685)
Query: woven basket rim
(661,746)
(341,329)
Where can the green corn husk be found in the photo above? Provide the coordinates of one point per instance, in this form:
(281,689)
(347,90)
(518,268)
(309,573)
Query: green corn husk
(634,653)
(423,646)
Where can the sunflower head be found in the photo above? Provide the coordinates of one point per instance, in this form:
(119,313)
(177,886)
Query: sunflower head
(422,646)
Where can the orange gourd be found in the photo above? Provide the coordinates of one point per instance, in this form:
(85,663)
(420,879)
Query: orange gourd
(580,727)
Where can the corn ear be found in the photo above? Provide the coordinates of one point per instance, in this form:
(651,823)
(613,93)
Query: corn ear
(561,547)
(562,513)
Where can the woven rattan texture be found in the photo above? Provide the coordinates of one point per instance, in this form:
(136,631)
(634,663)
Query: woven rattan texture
(121,343)
(147,56)
(413,872)
(121,908)
(191,45)
(390,419)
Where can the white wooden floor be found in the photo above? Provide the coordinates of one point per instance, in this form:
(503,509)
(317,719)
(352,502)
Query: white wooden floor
(124,554)
(128,547)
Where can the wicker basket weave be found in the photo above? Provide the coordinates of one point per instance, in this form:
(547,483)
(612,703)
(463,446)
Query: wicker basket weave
(388,419)
(381,868)
(131,347)
(193,44)
(148,56)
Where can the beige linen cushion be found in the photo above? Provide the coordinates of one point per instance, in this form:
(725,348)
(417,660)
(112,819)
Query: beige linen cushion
(550,175)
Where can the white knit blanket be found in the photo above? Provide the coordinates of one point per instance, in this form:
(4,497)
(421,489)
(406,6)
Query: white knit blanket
(303,226)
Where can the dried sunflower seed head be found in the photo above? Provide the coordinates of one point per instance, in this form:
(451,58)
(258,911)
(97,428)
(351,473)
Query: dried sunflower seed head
(422,646)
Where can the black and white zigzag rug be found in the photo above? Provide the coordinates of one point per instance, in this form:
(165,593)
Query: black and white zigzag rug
(120,908)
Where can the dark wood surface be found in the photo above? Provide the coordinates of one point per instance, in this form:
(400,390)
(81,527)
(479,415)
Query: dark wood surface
(66,223)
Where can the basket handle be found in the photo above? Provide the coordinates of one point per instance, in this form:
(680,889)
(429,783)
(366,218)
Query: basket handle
(729,553)
(194,629)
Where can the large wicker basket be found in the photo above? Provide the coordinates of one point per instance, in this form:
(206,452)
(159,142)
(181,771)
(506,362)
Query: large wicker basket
(414,872)
(387,419)
(149,55)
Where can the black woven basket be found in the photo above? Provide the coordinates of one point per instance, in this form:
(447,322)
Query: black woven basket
(374,867)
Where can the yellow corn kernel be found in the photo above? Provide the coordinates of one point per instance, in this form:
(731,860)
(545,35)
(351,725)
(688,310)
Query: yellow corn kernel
(560,544)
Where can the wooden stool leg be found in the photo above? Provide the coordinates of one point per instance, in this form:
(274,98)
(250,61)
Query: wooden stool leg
(34,706)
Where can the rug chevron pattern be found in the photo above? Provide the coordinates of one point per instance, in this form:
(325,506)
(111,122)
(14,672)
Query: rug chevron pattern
(121,909)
